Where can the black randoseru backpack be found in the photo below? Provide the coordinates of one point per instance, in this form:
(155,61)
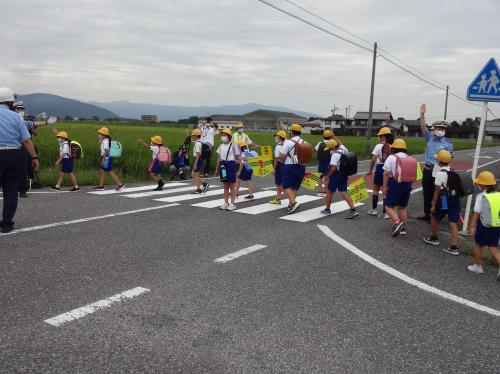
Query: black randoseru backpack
(454,186)
(348,164)
(323,155)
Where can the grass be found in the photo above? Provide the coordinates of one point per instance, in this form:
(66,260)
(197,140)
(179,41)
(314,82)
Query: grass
(132,166)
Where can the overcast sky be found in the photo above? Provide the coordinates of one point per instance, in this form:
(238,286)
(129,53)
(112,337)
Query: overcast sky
(201,52)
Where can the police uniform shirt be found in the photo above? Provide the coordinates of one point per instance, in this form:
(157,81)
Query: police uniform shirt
(12,129)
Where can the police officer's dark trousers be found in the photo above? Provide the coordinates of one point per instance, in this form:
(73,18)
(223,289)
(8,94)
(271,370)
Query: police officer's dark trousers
(11,172)
(428,189)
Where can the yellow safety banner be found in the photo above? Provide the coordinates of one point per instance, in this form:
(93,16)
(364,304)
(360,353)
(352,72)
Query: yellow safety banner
(310,180)
(358,190)
(419,172)
(261,166)
(266,151)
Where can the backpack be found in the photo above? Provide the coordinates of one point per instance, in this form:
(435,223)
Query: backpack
(348,164)
(458,185)
(164,155)
(303,151)
(323,155)
(115,150)
(75,150)
(406,169)
(386,151)
(205,151)
(490,210)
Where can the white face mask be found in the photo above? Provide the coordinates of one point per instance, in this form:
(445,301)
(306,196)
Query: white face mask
(60,140)
(439,133)
(99,137)
(224,139)
(240,131)
(277,139)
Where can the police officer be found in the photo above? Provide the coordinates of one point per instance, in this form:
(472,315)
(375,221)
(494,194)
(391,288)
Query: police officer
(435,142)
(13,136)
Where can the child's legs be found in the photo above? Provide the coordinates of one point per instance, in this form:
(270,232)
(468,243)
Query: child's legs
(232,187)
(250,186)
(403,214)
(434,225)
(392,213)
(73,179)
(101,177)
(454,233)
(376,190)
(478,254)
(290,195)
(237,185)
(347,198)
(115,178)
(329,197)
(495,253)
(226,192)
(154,177)
(60,179)
(197,179)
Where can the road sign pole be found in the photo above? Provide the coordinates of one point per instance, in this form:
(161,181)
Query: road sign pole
(446,103)
(370,112)
(476,161)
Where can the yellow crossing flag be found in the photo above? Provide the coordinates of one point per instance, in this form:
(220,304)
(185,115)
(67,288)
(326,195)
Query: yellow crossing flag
(310,180)
(419,171)
(358,190)
(266,151)
(261,166)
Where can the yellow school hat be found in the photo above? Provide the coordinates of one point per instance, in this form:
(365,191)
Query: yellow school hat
(227,132)
(327,134)
(103,131)
(196,132)
(242,143)
(240,125)
(384,131)
(157,139)
(296,127)
(62,134)
(444,156)
(399,143)
(485,178)
(330,144)
(282,134)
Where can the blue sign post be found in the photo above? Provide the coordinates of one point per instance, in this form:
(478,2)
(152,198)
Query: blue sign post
(485,88)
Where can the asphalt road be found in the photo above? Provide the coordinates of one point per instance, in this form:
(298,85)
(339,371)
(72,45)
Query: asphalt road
(302,304)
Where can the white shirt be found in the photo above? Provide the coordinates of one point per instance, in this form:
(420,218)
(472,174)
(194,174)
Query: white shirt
(479,202)
(277,150)
(335,159)
(207,135)
(239,137)
(228,152)
(390,163)
(104,146)
(317,145)
(64,149)
(155,149)
(442,177)
(377,151)
(197,148)
(288,150)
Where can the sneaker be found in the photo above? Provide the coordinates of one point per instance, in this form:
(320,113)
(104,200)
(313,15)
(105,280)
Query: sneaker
(231,207)
(385,216)
(452,250)
(7,228)
(161,184)
(320,194)
(224,206)
(475,268)
(23,194)
(98,188)
(275,202)
(397,229)
(55,188)
(292,208)
(432,240)
(205,187)
(352,214)
(198,191)
(205,175)
(372,212)
(159,188)
(403,231)
(75,189)
(249,197)
(326,212)
(120,187)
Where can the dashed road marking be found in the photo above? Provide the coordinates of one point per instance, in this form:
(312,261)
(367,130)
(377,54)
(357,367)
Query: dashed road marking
(241,252)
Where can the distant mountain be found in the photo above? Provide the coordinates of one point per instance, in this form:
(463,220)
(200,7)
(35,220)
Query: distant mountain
(127,109)
(61,106)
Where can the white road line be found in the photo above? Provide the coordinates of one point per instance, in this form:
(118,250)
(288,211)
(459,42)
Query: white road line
(164,192)
(315,213)
(241,252)
(264,208)
(91,308)
(483,165)
(191,196)
(404,277)
(89,219)
(136,189)
(218,202)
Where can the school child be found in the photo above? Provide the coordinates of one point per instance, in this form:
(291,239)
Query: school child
(245,172)
(379,155)
(444,203)
(396,194)
(106,163)
(279,138)
(337,181)
(155,167)
(201,187)
(484,226)
(324,158)
(66,162)
(227,156)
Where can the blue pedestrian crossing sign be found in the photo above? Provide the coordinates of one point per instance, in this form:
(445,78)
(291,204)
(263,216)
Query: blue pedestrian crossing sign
(486,86)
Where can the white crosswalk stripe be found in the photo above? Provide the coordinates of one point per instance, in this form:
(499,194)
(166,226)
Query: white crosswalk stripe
(315,213)
(135,189)
(265,208)
(192,196)
(164,192)
(217,203)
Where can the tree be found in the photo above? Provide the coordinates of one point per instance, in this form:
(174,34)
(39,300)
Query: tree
(95,118)
(469,122)
(455,124)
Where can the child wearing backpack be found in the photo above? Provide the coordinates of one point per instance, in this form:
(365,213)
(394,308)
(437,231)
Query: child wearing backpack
(399,172)
(228,154)
(65,161)
(484,226)
(106,163)
(337,181)
(245,172)
(279,138)
(445,202)
(198,162)
(156,166)
(379,155)
(323,156)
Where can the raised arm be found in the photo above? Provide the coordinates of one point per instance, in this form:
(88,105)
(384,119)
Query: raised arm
(423,110)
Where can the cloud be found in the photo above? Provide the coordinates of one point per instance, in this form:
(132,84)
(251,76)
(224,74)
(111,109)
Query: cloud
(195,52)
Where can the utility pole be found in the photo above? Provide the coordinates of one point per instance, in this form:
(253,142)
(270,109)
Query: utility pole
(370,112)
(446,103)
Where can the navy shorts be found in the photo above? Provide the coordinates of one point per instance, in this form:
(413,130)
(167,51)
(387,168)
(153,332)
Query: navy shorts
(337,182)
(156,167)
(246,174)
(108,164)
(323,167)
(230,171)
(293,175)
(453,210)
(197,166)
(378,178)
(398,194)
(486,236)
(278,174)
(67,165)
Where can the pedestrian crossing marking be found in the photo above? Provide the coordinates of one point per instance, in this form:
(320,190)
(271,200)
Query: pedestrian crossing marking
(315,213)
(174,199)
(164,192)
(135,189)
(265,208)
(218,202)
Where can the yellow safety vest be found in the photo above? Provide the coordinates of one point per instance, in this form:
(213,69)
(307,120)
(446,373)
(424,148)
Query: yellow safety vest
(236,136)
(490,212)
